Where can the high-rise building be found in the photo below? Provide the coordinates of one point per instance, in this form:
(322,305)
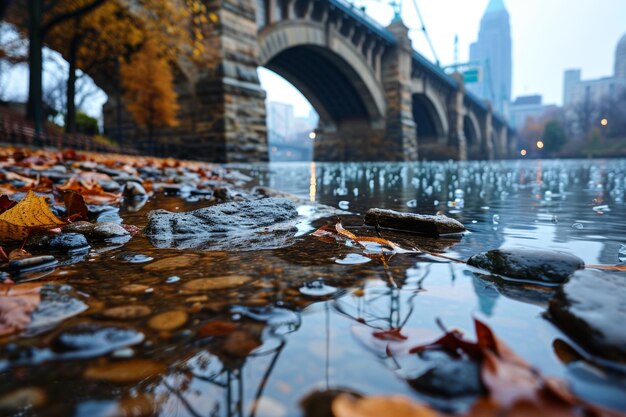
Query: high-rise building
(492,51)
(576,90)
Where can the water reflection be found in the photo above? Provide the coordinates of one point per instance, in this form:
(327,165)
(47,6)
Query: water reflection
(316,316)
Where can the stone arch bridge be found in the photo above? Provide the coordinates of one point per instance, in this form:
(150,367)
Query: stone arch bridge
(377,98)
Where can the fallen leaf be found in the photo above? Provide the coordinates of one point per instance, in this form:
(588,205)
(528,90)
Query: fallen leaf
(17,303)
(124,371)
(6,203)
(378,406)
(620,267)
(91,191)
(217,328)
(32,213)
(372,245)
(19,254)
(75,206)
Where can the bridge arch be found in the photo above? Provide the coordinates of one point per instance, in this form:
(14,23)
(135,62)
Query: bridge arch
(474,141)
(327,69)
(430,118)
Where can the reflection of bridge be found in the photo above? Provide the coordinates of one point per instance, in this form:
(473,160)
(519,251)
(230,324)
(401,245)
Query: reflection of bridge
(376,97)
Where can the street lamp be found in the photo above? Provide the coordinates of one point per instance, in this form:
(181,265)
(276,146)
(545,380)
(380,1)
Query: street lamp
(523,152)
(312,135)
(604,122)
(540,144)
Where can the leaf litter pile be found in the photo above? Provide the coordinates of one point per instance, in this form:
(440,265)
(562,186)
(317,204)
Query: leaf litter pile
(81,286)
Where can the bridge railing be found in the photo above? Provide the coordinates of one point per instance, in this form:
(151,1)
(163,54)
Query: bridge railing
(15,130)
(361,15)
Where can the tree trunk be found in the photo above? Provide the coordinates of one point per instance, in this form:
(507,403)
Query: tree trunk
(34,110)
(70,114)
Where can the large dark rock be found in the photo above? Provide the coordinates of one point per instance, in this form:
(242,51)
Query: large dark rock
(532,265)
(247,225)
(591,309)
(411,222)
(65,242)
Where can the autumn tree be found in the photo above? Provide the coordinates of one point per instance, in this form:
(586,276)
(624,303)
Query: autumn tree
(148,90)
(43,15)
(94,42)
(554,136)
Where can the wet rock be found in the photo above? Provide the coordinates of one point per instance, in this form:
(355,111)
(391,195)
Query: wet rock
(216,283)
(65,242)
(133,258)
(135,191)
(533,265)
(135,288)
(107,230)
(410,222)
(32,264)
(172,263)
(58,303)
(89,339)
(168,321)
(81,227)
(22,399)
(591,309)
(248,225)
(128,312)
(132,370)
(110,186)
(222,194)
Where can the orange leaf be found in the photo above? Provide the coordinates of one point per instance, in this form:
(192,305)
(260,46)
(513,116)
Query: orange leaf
(17,303)
(75,205)
(620,267)
(29,214)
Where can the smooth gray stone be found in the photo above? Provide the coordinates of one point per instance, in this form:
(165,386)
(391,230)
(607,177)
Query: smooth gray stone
(411,222)
(532,265)
(243,225)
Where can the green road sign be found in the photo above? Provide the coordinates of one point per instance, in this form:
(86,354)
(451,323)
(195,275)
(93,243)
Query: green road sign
(471,75)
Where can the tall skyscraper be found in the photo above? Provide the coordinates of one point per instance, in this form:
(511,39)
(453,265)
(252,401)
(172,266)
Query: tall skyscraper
(492,51)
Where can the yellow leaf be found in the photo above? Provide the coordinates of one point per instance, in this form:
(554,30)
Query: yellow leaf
(377,406)
(29,214)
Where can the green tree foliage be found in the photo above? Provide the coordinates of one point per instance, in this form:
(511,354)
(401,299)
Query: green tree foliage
(554,136)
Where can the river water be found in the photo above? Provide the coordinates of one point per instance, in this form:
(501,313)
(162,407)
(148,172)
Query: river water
(305,323)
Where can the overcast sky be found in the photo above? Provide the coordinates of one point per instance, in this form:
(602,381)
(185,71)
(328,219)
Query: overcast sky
(549,36)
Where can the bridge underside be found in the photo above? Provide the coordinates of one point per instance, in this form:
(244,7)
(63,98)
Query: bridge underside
(375,100)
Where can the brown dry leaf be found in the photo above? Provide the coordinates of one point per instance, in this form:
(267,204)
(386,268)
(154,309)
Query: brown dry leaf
(29,214)
(620,267)
(379,406)
(91,191)
(17,303)
(75,206)
(339,233)
(514,387)
(6,203)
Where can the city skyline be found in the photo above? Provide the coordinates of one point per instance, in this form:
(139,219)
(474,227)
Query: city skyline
(548,39)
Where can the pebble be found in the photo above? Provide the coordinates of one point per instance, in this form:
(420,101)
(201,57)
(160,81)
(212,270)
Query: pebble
(23,398)
(127,312)
(175,262)
(126,371)
(135,288)
(216,283)
(168,321)
(82,227)
(533,265)
(106,230)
